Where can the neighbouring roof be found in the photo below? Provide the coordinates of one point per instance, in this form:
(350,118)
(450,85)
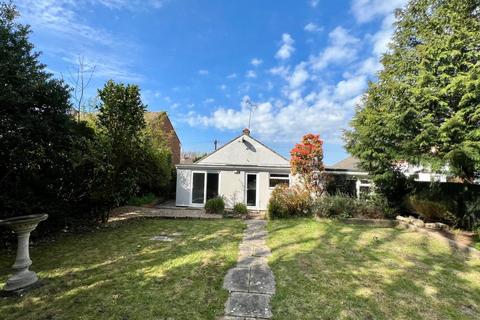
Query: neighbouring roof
(349,164)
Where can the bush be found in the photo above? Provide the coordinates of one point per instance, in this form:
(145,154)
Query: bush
(289,202)
(215,205)
(240,208)
(149,198)
(455,204)
(335,206)
(344,206)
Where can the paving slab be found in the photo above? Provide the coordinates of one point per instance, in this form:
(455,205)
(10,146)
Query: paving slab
(261,280)
(254,305)
(256,235)
(261,251)
(237,279)
(248,261)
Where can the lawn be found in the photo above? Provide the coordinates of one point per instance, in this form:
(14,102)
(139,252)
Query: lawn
(119,273)
(328,270)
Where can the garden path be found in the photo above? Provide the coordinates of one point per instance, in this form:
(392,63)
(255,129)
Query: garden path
(251,283)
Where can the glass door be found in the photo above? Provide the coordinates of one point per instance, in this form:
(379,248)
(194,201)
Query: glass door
(198,188)
(204,186)
(251,189)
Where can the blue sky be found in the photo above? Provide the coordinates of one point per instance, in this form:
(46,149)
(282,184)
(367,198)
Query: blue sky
(303,63)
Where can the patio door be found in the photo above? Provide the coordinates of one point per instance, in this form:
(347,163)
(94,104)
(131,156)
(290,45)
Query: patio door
(251,190)
(204,186)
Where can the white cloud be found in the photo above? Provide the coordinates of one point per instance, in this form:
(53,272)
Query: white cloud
(299,76)
(342,49)
(256,62)
(203,72)
(382,38)
(232,76)
(305,99)
(351,87)
(287,48)
(312,27)
(223,87)
(367,10)
(313,3)
(280,71)
(251,74)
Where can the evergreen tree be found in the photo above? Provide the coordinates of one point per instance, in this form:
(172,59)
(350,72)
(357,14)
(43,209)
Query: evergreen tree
(425,106)
(37,134)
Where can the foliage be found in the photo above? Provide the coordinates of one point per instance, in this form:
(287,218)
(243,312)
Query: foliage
(138,201)
(289,202)
(344,206)
(138,164)
(307,161)
(455,204)
(394,186)
(425,106)
(215,205)
(432,211)
(46,160)
(240,208)
(73,170)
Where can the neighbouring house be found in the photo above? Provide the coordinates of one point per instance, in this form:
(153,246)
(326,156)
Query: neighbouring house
(242,171)
(348,177)
(160,124)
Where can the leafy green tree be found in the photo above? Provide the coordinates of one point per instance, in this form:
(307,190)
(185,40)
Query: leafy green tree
(121,125)
(425,106)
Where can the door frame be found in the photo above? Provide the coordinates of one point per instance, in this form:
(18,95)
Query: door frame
(257,200)
(205,172)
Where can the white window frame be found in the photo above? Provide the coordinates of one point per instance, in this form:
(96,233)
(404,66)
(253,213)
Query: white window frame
(288,179)
(204,186)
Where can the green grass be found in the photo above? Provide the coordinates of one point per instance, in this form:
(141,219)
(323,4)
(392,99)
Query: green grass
(119,273)
(328,270)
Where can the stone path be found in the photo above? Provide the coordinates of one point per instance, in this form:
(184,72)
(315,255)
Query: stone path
(251,283)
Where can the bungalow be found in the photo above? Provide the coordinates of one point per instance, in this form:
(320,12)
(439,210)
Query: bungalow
(242,171)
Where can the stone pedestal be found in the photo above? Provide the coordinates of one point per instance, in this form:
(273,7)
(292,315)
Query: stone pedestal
(22,226)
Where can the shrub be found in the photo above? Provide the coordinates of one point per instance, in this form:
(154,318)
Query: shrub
(335,206)
(215,205)
(455,204)
(240,208)
(289,202)
(431,211)
(149,198)
(344,206)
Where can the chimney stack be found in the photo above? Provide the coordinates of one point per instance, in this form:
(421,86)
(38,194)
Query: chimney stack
(246,131)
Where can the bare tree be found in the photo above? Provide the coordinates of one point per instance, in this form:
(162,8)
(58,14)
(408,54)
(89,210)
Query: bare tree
(80,79)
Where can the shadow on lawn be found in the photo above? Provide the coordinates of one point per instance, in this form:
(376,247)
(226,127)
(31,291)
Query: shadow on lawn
(122,274)
(330,270)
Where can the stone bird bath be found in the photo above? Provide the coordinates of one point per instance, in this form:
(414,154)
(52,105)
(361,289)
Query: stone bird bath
(22,226)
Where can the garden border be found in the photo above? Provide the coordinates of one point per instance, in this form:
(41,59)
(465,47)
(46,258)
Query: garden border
(384,223)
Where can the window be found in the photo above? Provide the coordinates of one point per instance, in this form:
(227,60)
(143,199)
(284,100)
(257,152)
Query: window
(278,178)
